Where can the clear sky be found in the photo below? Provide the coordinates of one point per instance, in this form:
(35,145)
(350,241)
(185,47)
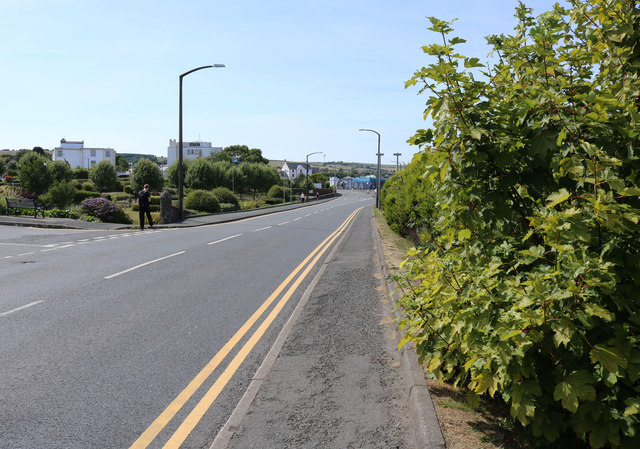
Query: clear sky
(301,75)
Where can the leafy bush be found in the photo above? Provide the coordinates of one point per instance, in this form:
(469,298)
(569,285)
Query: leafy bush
(526,287)
(203,201)
(104,176)
(225,195)
(60,195)
(127,189)
(61,213)
(275,192)
(81,195)
(34,175)
(80,173)
(146,172)
(104,210)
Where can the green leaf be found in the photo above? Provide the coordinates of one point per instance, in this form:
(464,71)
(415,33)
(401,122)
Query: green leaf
(557,198)
(601,312)
(562,335)
(577,386)
(633,406)
(464,234)
(608,358)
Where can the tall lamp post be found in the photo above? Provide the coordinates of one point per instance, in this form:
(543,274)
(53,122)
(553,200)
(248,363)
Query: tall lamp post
(378,177)
(180,167)
(306,180)
(397,155)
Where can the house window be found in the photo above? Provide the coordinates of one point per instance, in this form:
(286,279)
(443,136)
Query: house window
(93,164)
(107,154)
(59,153)
(93,153)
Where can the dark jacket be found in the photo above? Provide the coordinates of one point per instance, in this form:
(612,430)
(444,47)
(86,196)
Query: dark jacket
(144,199)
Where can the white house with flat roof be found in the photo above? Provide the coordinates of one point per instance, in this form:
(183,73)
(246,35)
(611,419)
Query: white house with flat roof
(190,150)
(75,153)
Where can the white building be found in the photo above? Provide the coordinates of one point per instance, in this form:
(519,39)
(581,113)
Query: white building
(190,150)
(77,155)
(292,170)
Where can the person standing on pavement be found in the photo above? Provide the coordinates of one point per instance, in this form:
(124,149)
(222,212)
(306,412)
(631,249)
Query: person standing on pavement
(144,203)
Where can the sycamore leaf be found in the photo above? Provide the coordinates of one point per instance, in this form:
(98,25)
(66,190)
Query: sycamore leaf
(601,312)
(464,234)
(562,335)
(633,406)
(557,197)
(578,386)
(485,381)
(608,358)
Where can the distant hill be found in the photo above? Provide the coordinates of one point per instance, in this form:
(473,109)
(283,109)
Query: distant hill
(135,157)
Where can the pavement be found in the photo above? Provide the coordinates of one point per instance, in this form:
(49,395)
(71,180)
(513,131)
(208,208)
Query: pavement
(334,378)
(194,220)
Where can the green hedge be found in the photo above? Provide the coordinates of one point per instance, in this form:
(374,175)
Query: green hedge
(525,287)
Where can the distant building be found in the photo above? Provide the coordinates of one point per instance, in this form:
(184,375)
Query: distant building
(292,170)
(190,150)
(77,155)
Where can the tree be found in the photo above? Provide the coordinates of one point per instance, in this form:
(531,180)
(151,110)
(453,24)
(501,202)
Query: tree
(525,288)
(200,175)
(103,176)
(122,164)
(243,153)
(60,171)
(40,151)
(259,177)
(3,166)
(146,172)
(34,175)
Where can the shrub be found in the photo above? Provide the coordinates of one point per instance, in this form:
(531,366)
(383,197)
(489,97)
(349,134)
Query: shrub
(275,192)
(60,195)
(104,210)
(526,288)
(104,176)
(81,195)
(127,189)
(146,172)
(61,213)
(100,208)
(80,173)
(202,200)
(34,175)
(225,195)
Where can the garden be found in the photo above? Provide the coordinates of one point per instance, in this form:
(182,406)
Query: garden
(99,194)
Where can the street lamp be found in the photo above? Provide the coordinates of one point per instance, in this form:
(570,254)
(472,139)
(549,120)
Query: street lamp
(180,167)
(397,155)
(378,177)
(306,180)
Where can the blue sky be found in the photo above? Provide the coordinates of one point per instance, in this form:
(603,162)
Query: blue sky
(301,76)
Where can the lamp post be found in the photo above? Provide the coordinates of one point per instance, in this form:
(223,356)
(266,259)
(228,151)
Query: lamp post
(397,155)
(306,179)
(180,167)
(378,177)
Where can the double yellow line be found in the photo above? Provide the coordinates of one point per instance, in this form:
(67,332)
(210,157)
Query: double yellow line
(207,400)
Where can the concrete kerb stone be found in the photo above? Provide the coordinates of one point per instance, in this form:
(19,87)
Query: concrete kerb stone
(194,221)
(424,419)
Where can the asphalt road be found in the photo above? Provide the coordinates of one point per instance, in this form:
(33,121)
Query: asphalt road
(116,339)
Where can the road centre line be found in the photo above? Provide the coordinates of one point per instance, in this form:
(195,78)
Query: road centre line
(143,265)
(17,309)
(286,222)
(261,229)
(185,395)
(226,238)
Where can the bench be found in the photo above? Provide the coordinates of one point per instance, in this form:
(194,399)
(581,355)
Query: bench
(24,203)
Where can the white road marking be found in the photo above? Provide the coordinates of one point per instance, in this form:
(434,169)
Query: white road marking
(17,309)
(143,265)
(286,222)
(222,240)
(261,229)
